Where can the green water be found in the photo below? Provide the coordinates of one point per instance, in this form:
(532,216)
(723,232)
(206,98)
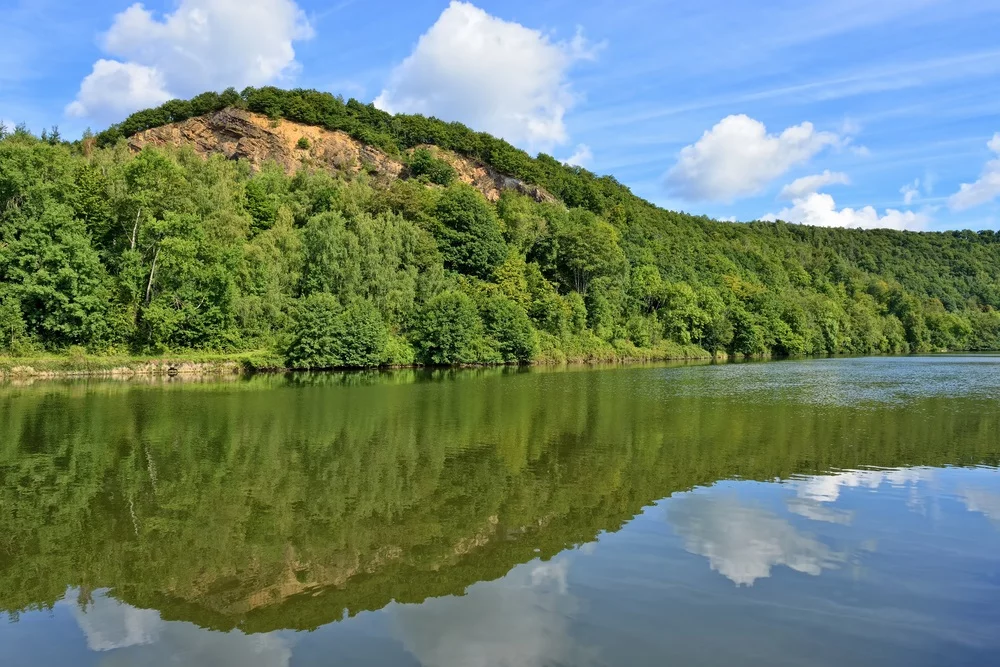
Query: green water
(828,512)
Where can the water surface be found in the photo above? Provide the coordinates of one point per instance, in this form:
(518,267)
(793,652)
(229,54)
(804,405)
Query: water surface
(828,512)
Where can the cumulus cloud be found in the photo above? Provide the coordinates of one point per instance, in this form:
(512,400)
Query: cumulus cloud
(986,189)
(744,543)
(119,88)
(738,157)
(581,157)
(494,75)
(203,45)
(820,209)
(801,187)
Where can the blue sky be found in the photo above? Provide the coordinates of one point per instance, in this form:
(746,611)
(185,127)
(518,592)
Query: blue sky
(810,111)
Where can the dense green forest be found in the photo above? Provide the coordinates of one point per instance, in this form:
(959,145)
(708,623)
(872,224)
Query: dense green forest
(163,252)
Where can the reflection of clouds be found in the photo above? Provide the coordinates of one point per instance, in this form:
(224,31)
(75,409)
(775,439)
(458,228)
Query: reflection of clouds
(109,625)
(132,636)
(817,511)
(744,543)
(826,488)
(985,502)
(520,620)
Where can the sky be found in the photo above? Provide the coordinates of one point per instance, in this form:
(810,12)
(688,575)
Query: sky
(828,112)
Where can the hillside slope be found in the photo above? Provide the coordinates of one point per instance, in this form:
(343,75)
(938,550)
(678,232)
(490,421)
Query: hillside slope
(243,135)
(332,234)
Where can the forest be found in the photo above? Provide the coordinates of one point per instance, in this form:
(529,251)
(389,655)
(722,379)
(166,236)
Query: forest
(104,250)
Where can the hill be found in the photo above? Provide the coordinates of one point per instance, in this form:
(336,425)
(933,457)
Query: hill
(329,233)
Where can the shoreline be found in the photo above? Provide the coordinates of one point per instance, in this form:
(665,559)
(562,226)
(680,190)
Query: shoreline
(54,367)
(122,367)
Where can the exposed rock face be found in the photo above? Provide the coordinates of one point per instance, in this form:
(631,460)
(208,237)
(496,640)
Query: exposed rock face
(240,134)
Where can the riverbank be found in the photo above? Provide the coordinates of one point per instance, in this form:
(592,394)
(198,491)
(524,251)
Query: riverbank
(263,361)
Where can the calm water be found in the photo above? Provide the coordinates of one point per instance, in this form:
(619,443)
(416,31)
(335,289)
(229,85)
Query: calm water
(795,513)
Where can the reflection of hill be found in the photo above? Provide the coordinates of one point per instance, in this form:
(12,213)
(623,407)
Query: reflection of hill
(279,503)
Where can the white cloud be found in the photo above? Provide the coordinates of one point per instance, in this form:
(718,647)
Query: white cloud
(581,157)
(494,75)
(821,210)
(910,192)
(738,157)
(809,184)
(986,189)
(203,45)
(119,89)
(744,543)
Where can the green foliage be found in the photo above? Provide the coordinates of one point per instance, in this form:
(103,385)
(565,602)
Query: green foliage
(448,330)
(12,326)
(163,250)
(469,232)
(329,336)
(423,165)
(508,324)
(588,249)
(302,144)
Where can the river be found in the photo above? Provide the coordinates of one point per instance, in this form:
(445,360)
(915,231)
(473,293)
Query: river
(821,512)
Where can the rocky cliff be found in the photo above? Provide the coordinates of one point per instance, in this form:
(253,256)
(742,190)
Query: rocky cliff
(240,134)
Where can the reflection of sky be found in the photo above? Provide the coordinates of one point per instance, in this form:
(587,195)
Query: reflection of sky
(744,543)
(827,488)
(838,569)
(522,620)
(130,636)
(983,501)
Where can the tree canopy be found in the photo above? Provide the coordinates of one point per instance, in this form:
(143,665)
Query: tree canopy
(161,250)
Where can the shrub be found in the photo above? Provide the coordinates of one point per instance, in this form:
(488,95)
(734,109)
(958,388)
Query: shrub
(302,144)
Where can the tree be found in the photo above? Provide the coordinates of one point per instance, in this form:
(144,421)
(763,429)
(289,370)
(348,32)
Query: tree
(469,232)
(447,331)
(12,326)
(508,324)
(588,248)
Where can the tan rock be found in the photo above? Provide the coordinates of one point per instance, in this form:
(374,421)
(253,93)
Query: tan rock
(240,134)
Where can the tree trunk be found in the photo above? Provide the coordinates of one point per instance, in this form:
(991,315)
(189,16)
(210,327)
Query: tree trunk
(152,271)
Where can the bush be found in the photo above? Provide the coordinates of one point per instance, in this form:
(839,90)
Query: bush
(302,144)
(447,330)
(328,336)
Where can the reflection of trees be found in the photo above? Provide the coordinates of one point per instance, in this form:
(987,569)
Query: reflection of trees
(280,503)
